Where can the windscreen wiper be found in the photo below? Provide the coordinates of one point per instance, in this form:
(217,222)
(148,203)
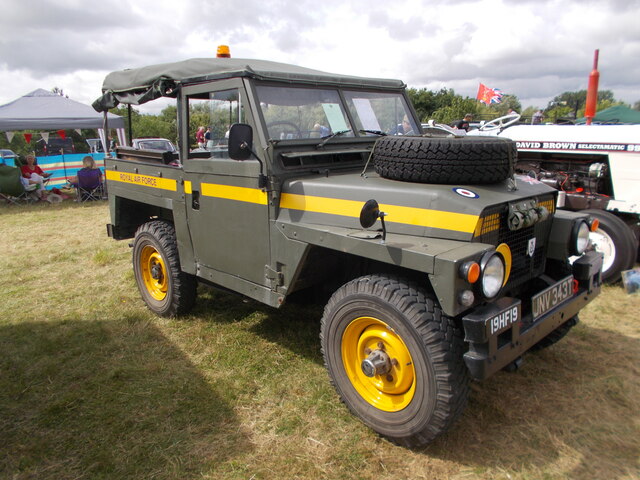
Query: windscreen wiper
(374,132)
(334,134)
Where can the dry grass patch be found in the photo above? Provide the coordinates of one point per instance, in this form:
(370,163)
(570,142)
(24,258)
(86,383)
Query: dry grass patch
(92,385)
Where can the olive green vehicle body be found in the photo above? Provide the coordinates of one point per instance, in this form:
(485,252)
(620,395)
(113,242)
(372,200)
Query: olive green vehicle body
(300,230)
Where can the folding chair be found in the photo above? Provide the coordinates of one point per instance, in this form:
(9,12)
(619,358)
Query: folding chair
(90,186)
(12,190)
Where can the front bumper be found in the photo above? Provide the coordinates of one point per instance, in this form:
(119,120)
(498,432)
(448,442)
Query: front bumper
(499,334)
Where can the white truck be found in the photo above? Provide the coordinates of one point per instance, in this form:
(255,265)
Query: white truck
(596,168)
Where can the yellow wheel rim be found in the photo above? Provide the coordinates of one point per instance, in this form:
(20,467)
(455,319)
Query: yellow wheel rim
(389,392)
(154,273)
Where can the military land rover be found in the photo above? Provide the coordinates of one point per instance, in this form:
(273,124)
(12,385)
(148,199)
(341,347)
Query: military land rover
(444,266)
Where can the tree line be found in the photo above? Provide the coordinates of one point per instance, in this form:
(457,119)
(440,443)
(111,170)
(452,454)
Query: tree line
(445,106)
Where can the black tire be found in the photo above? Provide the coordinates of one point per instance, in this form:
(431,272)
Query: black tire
(450,160)
(616,241)
(416,400)
(557,335)
(165,288)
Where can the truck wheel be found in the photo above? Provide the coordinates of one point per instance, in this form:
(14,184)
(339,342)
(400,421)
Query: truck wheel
(165,288)
(394,358)
(556,335)
(449,160)
(613,239)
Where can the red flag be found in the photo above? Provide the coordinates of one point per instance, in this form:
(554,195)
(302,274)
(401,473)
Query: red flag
(62,134)
(27,137)
(488,95)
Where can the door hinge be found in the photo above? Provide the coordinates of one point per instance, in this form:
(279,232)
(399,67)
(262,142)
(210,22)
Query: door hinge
(275,276)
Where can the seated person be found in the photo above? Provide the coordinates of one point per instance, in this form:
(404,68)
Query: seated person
(320,131)
(32,174)
(403,128)
(92,179)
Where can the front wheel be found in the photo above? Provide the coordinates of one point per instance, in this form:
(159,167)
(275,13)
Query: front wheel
(394,358)
(165,288)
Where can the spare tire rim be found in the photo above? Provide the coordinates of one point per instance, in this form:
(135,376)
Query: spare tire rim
(154,273)
(391,389)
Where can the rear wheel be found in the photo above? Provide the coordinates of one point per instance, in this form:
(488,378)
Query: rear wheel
(394,358)
(164,287)
(616,242)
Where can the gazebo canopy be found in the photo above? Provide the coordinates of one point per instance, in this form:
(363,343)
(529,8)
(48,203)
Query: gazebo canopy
(616,114)
(44,110)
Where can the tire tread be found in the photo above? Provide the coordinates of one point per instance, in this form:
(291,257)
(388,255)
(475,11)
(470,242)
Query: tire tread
(441,336)
(184,285)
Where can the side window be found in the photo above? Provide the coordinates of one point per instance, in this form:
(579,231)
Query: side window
(211,115)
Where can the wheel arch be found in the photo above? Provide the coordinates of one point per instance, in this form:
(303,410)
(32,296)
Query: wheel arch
(127,215)
(325,270)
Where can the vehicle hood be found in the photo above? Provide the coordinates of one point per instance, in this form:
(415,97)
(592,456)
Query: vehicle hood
(439,211)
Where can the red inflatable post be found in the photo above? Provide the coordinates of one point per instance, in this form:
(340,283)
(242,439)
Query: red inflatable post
(592,90)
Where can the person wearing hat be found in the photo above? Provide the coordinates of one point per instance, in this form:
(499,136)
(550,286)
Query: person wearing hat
(464,123)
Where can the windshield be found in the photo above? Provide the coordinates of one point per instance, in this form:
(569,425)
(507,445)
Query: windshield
(376,112)
(164,145)
(294,113)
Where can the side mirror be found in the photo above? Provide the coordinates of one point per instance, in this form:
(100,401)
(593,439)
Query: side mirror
(370,213)
(240,141)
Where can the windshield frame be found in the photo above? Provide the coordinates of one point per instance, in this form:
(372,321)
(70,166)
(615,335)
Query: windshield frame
(352,122)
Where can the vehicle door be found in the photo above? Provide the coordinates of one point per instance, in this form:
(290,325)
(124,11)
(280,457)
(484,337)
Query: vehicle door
(227,212)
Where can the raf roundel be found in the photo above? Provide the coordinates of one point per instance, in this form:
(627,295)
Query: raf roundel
(466,193)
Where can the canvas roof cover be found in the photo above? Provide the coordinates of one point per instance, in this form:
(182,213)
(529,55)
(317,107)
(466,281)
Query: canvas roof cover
(140,85)
(44,110)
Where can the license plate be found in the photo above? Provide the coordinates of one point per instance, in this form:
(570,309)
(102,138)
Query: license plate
(552,296)
(500,321)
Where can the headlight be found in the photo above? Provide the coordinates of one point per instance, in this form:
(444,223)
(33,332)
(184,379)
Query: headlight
(580,238)
(492,276)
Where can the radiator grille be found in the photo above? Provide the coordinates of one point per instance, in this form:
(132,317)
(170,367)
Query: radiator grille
(493,229)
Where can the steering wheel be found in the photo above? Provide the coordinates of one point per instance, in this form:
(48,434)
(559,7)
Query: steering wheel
(500,122)
(293,126)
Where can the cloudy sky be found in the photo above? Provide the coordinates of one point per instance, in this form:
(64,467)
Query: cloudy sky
(534,49)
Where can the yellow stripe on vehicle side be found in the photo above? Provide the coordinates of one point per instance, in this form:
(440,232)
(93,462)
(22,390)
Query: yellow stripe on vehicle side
(144,180)
(187,187)
(241,194)
(422,217)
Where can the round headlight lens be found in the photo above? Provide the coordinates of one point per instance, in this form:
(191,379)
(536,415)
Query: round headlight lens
(581,238)
(492,275)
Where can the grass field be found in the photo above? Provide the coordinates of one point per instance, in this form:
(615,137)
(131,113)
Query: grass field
(93,386)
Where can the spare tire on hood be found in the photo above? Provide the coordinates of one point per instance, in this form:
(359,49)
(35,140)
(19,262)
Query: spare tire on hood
(445,160)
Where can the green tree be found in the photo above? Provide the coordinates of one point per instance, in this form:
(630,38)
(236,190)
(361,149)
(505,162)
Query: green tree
(426,102)
(572,104)
(148,125)
(509,102)
(456,110)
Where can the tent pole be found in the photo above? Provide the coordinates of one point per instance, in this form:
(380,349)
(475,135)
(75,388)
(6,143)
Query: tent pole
(64,164)
(130,124)
(105,127)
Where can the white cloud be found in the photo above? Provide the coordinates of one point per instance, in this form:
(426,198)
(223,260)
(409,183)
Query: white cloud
(534,49)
